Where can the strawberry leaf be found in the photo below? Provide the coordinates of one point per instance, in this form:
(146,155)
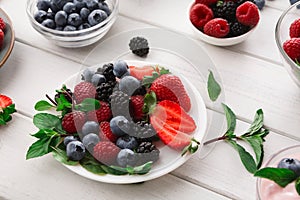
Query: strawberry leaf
(149,102)
(213,87)
(148,80)
(5,114)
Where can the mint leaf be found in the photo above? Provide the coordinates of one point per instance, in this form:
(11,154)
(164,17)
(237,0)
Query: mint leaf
(44,133)
(114,170)
(88,104)
(61,156)
(143,169)
(213,87)
(231,120)
(297,185)
(257,146)
(42,105)
(63,104)
(92,165)
(281,176)
(45,121)
(257,123)
(39,148)
(245,157)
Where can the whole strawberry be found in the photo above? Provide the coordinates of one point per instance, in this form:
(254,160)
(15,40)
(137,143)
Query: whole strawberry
(200,14)
(292,48)
(295,29)
(2,24)
(102,114)
(217,27)
(6,109)
(73,121)
(136,107)
(84,90)
(170,87)
(106,133)
(247,14)
(106,152)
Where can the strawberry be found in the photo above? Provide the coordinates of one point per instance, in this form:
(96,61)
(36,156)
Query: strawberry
(106,152)
(247,14)
(292,48)
(170,87)
(200,14)
(4,101)
(102,114)
(217,27)
(106,133)
(73,121)
(2,24)
(136,107)
(1,38)
(207,2)
(295,29)
(140,72)
(84,90)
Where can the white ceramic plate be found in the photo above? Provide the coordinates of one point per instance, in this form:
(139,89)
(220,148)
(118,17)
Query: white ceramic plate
(169,159)
(9,38)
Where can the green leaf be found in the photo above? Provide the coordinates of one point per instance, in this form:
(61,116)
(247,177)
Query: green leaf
(257,146)
(92,165)
(231,120)
(42,105)
(62,157)
(45,121)
(149,102)
(39,148)
(297,185)
(281,176)
(257,123)
(143,169)
(148,80)
(88,104)
(5,114)
(114,170)
(44,133)
(2,121)
(63,104)
(213,87)
(245,157)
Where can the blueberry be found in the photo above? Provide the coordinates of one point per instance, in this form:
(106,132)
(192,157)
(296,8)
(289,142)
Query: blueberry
(290,163)
(260,4)
(61,18)
(43,5)
(96,16)
(126,157)
(79,4)
(59,28)
(92,4)
(119,125)
(90,127)
(97,79)
(293,2)
(69,28)
(49,23)
(54,8)
(60,3)
(84,26)
(90,140)
(50,15)
(69,8)
(75,150)
(127,142)
(129,84)
(87,75)
(40,16)
(84,13)
(69,139)
(103,6)
(120,68)
(74,19)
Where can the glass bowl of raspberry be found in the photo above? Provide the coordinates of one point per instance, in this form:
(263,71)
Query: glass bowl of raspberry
(287,37)
(223,23)
(72,23)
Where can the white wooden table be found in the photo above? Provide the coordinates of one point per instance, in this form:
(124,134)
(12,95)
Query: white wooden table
(252,74)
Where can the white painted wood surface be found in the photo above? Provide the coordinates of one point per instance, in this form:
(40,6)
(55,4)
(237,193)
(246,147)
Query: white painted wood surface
(252,74)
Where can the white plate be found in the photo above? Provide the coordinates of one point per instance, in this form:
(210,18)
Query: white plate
(169,159)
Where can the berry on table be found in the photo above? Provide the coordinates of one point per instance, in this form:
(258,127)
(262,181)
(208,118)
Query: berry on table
(1,38)
(97,79)
(84,90)
(139,46)
(126,157)
(127,142)
(290,163)
(69,139)
(2,24)
(73,121)
(69,8)
(69,28)
(200,14)
(103,6)
(108,71)
(74,19)
(49,23)
(145,152)
(5,101)
(207,2)
(295,29)
(84,13)
(90,127)
(217,27)
(292,48)
(129,84)
(84,26)
(106,133)
(87,75)
(96,17)
(119,102)
(90,140)
(61,18)
(75,150)
(120,68)
(92,4)
(140,72)
(136,107)
(43,5)
(102,114)
(237,29)
(119,125)
(260,4)
(247,14)
(79,4)
(106,152)
(40,16)
(225,10)
(141,130)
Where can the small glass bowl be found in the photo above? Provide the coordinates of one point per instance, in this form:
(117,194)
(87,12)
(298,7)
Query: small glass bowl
(282,34)
(289,152)
(219,41)
(78,38)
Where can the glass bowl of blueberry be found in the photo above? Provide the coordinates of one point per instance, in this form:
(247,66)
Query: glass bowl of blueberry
(287,37)
(72,23)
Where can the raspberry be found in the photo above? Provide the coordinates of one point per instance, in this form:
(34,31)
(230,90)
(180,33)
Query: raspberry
(2,24)
(106,133)
(292,48)
(106,152)
(73,121)
(200,14)
(217,27)
(247,14)
(100,115)
(139,46)
(1,38)
(295,29)
(136,107)
(207,2)
(84,90)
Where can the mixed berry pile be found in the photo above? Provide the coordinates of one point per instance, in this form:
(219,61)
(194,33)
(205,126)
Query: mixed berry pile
(224,19)
(2,31)
(292,45)
(71,15)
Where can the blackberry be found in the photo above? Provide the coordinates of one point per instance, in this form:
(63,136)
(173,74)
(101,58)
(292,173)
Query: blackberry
(107,72)
(225,10)
(141,130)
(105,90)
(119,103)
(139,46)
(237,29)
(145,152)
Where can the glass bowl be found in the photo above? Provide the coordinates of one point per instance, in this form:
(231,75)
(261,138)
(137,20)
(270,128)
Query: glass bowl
(265,187)
(219,41)
(78,38)
(282,34)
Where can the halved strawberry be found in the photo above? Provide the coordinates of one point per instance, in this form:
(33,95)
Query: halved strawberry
(140,72)
(5,101)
